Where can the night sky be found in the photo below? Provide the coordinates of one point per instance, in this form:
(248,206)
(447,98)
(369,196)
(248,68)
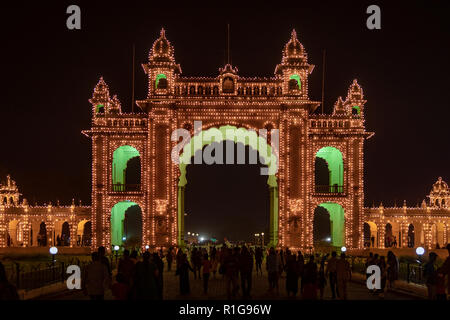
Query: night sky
(49,73)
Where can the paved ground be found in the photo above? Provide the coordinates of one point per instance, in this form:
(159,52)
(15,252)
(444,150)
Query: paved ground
(217,291)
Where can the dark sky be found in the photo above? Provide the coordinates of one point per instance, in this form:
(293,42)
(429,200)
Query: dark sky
(49,73)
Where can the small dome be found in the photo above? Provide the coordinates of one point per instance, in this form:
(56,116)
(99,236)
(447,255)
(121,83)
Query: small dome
(440,187)
(294,48)
(162,50)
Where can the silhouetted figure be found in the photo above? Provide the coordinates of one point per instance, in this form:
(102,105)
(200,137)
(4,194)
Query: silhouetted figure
(430,274)
(292,273)
(258,260)
(103,259)
(322,279)
(344,274)
(120,289)
(231,269)
(332,273)
(206,264)
(169,258)
(96,278)
(246,270)
(7,290)
(183,273)
(310,280)
(145,279)
(392,269)
(159,280)
(126,267)
(272,266)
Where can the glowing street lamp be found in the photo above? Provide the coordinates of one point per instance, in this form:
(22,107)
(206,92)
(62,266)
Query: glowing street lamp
(53,251)
(420,251)
(343,249)
(147,247)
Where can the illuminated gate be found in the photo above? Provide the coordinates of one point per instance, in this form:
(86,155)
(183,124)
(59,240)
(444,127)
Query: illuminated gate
(278,103)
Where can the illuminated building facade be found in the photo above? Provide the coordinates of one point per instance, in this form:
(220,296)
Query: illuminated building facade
(427,225)
(22,225)
(306,140)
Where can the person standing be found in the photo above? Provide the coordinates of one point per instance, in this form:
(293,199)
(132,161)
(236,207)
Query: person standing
(392,269)
(444,270)
(344,274)
(231,269)
(291,274)
(322,279)
(246,270)
(382,264)
(126,267)
(430,274)
(169,258)
(183,273)
(7,290)
(332,274)
(160,278)
(206,268)
(96,278)
(258,260)
(310,280)
(272,266)
(145,279)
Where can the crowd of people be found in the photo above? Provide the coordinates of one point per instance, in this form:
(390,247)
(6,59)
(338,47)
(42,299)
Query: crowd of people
(140,276)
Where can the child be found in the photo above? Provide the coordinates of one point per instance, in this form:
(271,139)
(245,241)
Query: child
(120,289)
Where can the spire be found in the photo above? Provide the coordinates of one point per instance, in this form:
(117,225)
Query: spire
(339,108)
(101,93)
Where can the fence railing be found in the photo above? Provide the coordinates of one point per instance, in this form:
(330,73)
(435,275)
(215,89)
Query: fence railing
(126,187)
(409,272)
(40,275)
(329,189)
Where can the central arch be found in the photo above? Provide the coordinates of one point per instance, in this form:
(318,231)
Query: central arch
(123,219)
(337,222)
(237,135)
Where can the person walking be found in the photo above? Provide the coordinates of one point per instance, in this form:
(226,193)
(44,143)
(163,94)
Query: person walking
(7,290)
(169,259)
(332,274)
(206,268)
(292,273)
(183,273)
(145,285)
(246,270)
(96,278)
(272,266)
(430,274)
(344,275)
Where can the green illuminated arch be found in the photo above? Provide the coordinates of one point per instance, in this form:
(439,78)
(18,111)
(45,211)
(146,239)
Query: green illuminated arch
(117,219)
(335,162)
(337,220)
(99,107)
(121,156)
(358,109)
(246,137)
(297,77)
(159,77)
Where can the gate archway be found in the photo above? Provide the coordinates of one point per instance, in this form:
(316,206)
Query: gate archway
(237,135)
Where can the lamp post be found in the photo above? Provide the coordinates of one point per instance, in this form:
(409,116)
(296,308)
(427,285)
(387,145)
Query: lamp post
(53,251)
(116,251)
(420,251)
(262,240)
(256,238)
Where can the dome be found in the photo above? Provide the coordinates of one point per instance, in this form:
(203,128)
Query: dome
(162,50)
(294,49)
(440,187)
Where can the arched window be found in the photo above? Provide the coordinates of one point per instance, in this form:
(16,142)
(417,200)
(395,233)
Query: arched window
(100,108)
(356,110)
(208,90)
(200,90)
(216,90)
(256,91)
(161,81)
(228,85)
(329,171)
(279,91)
(295,82)
(126,169)
(192,90)
(264,91)
(248,91)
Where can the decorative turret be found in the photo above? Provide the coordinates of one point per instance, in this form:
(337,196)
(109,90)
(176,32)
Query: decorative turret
(294,68)
(161,68)
(9,193)
(228,78)
(101,101)
(339,108)
(354,103)
(440,194)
